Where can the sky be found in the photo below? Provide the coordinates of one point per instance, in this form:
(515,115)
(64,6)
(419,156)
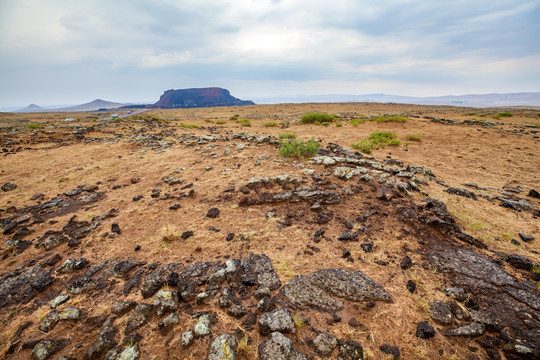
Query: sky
(70,52)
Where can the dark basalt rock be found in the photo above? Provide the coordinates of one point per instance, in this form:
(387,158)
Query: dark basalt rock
(424,330)
(260,267)
(105,341)
(461,192)
(350,350)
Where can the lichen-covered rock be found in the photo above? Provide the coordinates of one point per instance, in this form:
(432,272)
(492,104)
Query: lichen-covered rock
(223,347)
(59,300)
(123,268)
(470,330)
(49,322)
(187,338)
(120,308)
(260,266)
(104,342)
(131,353)
(237,311)
(46,348)
(165,302)
(165,324)
(152,283)
(300,293)
(225,300)
(325,344)
(70,313)
(202,326)
(71,265)
(139,317)
(279,347)
(278,320)
(440,312)
(350,350)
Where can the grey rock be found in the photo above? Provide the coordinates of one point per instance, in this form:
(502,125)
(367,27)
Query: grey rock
(278,320)
(440,312)
(131,353)
(456,293)
(152,283)
(470,330)
(325,344)
(350,350)
(223,347)
(71,265)
(225,299)
(424,330)
(279,347)
(187,338)
(461,192)
(104,342)
(525,238)
(262,292)
(123,268)
(122,307)
(49,322)
(59,300)
(202,326)
(165,324)
(260,266)
(485,317)
(139,317)
(165,301)
(212,213)
(519,262)
(237,311)
(70,313)
(9,186)
(46,348)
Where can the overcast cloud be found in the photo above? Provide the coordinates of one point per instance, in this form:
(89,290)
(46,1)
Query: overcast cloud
(67,52)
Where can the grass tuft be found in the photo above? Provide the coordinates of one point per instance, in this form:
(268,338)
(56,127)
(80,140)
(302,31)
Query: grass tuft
(34,126)
(377,139)
(317,118)
(243,122)
(414,137)
(503,114)
(271,124)
(298,148)
(189,126)
(169,233)
(287,136)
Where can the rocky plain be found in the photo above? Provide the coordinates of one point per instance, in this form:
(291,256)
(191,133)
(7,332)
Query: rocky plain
(185,234)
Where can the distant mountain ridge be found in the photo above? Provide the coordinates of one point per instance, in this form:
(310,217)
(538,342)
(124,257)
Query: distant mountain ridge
(90,106)
(199,97)
(472,100)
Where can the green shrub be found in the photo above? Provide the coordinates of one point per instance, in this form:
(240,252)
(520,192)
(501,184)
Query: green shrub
(325,123)
(414,137)
(365,146)
(377,139)
(503,114)
(220,122)
(34,126)
(298,148)
(189,126)
(243,122)
(234,117)
(312,118)
(287,136)
(339,124)
(209,121)
(382,137)
(270,124)
(380,119)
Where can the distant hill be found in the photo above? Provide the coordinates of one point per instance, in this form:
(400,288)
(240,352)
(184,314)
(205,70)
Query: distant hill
(91,106)
(472,100)
(202,97)
(32,108)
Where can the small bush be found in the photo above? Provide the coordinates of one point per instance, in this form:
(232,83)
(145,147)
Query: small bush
(394,142)
(395,118)
(234,117)
(220,122)
(243,122)
(287,136)
(325,123)
(365,146)
(189,126)
(382,137)
(339,124)
(209,121)
(271,124)
(170,233)
(377,139)
(34,126)
(298,148)
(414,137)
(312,118)
(503,114)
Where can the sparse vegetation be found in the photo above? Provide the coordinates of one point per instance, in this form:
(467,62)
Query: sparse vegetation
(169,233)
(503,114)
(287,136)
(243,122)
(34,126)
(317,118)
(271,124)
(148,118)
(380,119)
(414,137)
(189,126)
(377,139)
(298,148)
(339,124)
(220,122)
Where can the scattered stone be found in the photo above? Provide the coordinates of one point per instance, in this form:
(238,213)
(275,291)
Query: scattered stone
(519,262)
(123,268)
(424,330)
(461,192)
(279,347)
(223,347)
(278,320)
(440,312)
(187,338)
(347,236)
(260,266)
(212,213)
(9,186)
(393,351)
(138,318)
(350,350)
(166,324)
(411,286)
(105,341)
(165,302)
(525,238)
(202,326)
(186,234)
(59,300)
(384,193)
(122,307)
(175,206)
(46,348)
(71,265)
(237,311)
(367,246)
(406,263)
(470,330)
(138,197)
(345,253)
(535,194)
(485,317)
(230,236)
(115,229)
(70,313)
(262,292)
(49,322)
(131,353)
(325,344)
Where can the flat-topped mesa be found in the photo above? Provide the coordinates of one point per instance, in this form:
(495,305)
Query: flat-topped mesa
(200,97)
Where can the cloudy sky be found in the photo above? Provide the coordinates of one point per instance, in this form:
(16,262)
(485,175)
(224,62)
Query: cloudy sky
(68,52)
